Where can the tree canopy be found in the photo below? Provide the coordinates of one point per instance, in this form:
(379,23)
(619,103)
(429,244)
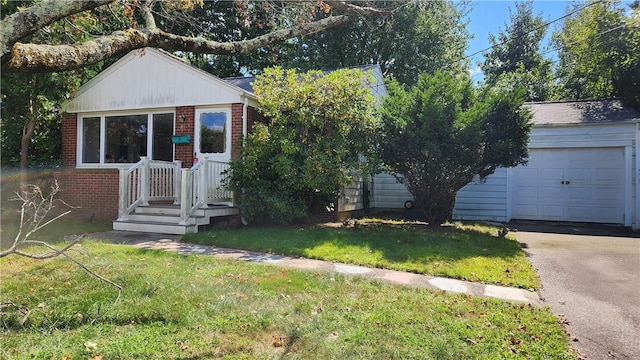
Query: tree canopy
(321,125)
(599,52)
(143,23)
(439,134)
(421,36)
(515,59)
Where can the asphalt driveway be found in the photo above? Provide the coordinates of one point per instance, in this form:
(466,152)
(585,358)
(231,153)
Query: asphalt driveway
(591,280)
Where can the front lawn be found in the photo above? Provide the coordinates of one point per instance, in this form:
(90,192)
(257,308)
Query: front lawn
(195,307)
(467,252)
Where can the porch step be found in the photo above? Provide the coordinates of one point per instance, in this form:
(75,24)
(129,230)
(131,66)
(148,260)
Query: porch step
(168,209)
(165,219)
(154,227)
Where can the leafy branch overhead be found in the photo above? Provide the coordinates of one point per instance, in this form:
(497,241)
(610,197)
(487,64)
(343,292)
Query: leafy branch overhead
(141,24)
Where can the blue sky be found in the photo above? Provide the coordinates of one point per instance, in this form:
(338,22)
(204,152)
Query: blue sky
(492,16)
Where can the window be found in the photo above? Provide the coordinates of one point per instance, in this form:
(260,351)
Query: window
(125,138)
(213,132)
(91,140)
(162,131)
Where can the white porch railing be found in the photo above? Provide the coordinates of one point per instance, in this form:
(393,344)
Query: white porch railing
(145,181)
(153,180)
(202,185)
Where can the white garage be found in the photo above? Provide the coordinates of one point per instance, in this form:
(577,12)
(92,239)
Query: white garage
(571,184)
(582,168)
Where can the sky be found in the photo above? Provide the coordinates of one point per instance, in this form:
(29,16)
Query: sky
(491,16)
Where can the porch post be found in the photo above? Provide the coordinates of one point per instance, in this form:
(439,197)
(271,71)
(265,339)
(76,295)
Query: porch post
(123,196)
(144,181)
(204,183)
(177,181)
(185,196)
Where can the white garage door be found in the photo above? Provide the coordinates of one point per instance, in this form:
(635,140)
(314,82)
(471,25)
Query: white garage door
(581,184)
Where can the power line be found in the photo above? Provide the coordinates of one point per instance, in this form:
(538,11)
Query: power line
(575,42)
(534,29)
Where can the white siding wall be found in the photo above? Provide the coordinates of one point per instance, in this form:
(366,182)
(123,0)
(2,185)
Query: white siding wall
(352,197)
(387,193)
(152,79)
(483,199)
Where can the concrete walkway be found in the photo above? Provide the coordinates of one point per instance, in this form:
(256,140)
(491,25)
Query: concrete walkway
(171,243)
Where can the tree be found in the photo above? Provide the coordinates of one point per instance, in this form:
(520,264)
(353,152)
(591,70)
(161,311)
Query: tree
(599,52)
(320,126)
(439,134)
(30,129)
(421,36)
(139,28)
(515,55)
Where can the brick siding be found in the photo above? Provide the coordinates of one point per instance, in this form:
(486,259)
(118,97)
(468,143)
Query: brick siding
(96,190)
(185,152)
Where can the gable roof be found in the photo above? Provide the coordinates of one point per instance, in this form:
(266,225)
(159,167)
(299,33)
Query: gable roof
(151,78)
(581,112)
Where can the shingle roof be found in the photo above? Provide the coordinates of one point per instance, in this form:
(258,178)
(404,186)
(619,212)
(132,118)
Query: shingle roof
(581,112)
(245,83)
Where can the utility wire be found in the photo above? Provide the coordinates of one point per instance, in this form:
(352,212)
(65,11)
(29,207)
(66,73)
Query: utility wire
(575,42)
(534,29)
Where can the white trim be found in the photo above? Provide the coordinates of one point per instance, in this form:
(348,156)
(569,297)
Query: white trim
(509,195)
(628,174)
(580,144)
(637,173)
(103,115)
(224,157)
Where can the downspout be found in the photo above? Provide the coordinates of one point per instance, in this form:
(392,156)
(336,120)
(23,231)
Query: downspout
(245,110)
(636,226)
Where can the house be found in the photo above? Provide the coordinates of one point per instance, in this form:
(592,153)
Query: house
(146,142)
(583,167)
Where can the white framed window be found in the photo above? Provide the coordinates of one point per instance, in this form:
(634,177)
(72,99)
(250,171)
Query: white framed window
(213,133)
(113,139)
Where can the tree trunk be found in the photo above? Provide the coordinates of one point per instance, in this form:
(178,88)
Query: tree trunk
(27,134)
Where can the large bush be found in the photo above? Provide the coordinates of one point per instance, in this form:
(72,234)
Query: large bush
(320,128)
(439,134)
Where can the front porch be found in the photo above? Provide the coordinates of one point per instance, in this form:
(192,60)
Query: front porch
(162,197)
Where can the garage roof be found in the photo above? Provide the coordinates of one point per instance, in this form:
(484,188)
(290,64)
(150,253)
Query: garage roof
(581,112)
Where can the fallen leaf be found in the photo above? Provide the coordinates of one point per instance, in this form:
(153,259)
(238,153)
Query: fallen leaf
(278,341)
(472,342)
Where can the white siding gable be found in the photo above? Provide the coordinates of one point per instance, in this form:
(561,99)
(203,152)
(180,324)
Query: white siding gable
(149,78)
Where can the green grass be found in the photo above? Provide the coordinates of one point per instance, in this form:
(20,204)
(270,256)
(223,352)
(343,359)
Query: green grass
(196,307)
(52,233)
(467,252)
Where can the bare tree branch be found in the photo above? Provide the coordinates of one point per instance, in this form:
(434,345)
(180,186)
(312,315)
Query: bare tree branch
(33,211)
(147,14)
(355,9)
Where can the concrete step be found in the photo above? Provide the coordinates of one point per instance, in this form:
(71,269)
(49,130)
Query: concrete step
(154,227)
